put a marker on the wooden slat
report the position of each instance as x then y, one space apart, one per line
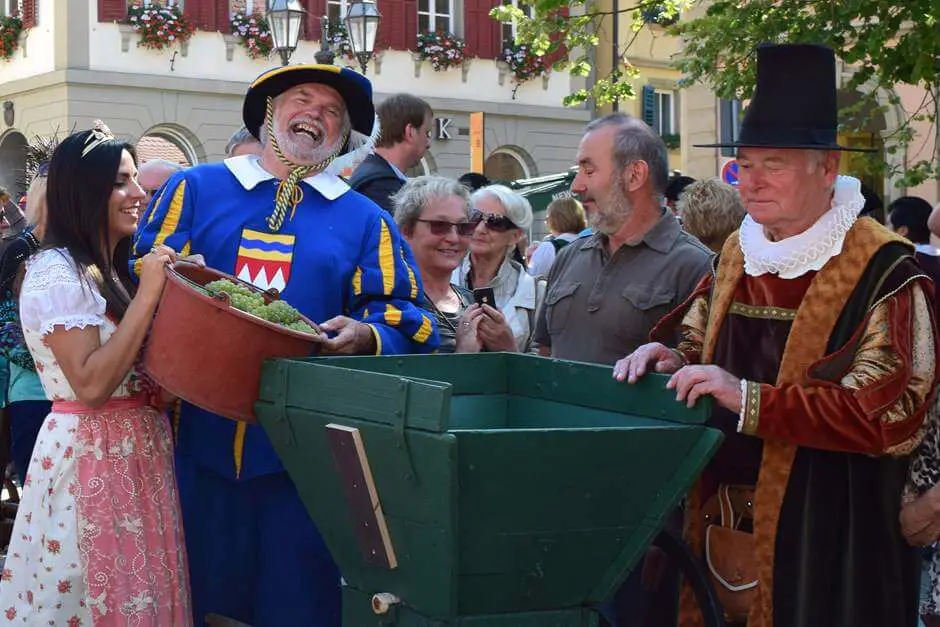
589 385
349 455
480 373
357 394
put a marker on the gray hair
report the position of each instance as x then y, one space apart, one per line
516 205
239 138
163 164
636 141
415 195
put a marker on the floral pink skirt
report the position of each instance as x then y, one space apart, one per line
98 538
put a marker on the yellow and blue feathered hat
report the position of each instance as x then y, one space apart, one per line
354 88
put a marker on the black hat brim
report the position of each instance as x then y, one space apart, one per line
835 147
355 94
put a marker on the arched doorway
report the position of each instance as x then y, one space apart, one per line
13 150
508 164
171 143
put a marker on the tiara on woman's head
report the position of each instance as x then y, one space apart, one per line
99 134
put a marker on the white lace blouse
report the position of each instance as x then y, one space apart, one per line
55 295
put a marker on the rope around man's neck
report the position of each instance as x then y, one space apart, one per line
289 194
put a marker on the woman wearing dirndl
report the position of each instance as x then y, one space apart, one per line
98 538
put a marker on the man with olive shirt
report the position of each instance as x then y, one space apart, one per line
607 290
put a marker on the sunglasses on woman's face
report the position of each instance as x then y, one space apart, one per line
493 221
440 228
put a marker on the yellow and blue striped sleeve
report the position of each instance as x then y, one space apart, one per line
386 292
166 222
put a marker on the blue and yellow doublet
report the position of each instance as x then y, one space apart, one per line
337 253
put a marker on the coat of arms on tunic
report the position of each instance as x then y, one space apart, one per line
264 259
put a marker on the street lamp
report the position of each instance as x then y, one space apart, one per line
285 18
325 55
362 25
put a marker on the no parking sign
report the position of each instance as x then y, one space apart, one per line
729 172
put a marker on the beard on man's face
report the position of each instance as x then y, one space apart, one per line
610 214
304 140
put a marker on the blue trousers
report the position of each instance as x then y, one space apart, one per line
26 418
254 554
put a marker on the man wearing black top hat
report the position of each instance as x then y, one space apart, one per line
815 339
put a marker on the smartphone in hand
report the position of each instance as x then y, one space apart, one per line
484 296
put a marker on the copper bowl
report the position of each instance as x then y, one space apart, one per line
208 353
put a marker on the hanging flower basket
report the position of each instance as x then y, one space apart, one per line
443 50
523 63
10 29
159 27
338 39
253 33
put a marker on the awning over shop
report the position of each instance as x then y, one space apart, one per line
542 190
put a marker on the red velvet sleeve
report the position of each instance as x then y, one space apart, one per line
876 405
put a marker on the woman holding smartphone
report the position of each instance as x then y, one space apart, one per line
502 217
434 216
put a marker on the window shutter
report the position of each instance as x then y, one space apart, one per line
28 13
315 10
223 16
649 105
112 10
201 13
482 32
562 52
398 29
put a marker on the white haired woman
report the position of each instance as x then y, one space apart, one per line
433 214
504 216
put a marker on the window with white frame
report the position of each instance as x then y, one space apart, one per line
10 7
665 112
435 15
509 29
336 10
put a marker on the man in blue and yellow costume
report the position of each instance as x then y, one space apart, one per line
284 221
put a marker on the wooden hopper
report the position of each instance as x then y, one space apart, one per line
494 490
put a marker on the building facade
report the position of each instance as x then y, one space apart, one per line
78 60
694 115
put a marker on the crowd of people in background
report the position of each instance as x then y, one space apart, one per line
642 270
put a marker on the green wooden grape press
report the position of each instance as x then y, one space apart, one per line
489 490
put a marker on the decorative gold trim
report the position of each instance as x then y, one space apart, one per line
751 408
764 313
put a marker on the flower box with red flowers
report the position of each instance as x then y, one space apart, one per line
254 33
159 27
443 50
10 29
523 63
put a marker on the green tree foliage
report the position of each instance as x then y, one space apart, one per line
882 43
576 25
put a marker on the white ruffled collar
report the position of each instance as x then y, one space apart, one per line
810 250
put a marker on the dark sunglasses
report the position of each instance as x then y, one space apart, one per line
440 228
493 221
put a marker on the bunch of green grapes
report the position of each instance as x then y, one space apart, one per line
278 311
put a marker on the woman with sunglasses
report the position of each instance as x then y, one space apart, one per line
433 214
504 216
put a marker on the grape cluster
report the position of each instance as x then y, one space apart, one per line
278 311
